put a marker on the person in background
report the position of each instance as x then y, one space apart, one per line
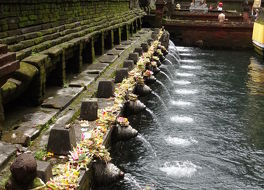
220 6
221 17
256 14
178 6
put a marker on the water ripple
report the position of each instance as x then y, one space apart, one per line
181 119
179 169
180 141
185 91
185 74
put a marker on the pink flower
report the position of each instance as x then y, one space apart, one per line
75 156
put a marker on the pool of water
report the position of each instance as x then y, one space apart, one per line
211 136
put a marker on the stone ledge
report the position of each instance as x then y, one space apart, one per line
6 152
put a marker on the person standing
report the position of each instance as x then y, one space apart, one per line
220 6
221 17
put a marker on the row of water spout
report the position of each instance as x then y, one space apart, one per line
165 74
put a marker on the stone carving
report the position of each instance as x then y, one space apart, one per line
106 173
23 170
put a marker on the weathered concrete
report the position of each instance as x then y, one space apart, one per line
227 35
105 89
134 57
121 74
139 50
62 98
122 47
61 147
89 109
114 52
129 64
6 152
108 58
44 170
145 47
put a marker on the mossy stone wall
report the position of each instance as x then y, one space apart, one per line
17 14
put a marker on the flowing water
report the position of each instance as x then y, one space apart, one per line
164 88
167 76
160 99
212 135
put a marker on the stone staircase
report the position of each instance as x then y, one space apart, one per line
48 51
8 65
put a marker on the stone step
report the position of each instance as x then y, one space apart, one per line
54 41
9 68
3 49
6 153
7 58
24 40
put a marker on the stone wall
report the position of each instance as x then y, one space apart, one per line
52 38
16 14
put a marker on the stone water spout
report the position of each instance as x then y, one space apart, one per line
152 66
133 107
141 89
163 50
106 173
124 133
148 77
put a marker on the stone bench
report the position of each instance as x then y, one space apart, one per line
48 53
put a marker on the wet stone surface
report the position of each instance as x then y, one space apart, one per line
121 47
108 58
115 52
62 98
6 152
30 127
126 42
84 79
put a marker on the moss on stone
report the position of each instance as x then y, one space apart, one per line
26 72
7 90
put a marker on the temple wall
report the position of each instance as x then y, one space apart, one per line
16 14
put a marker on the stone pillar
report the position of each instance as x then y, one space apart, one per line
38 86
2 115
78 59
89 109
92 50
170 6
119 35
121 74
105 89
112 38
61 140
62 69
159 12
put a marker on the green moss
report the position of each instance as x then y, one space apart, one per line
38 40
8 89
40 154
4 179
